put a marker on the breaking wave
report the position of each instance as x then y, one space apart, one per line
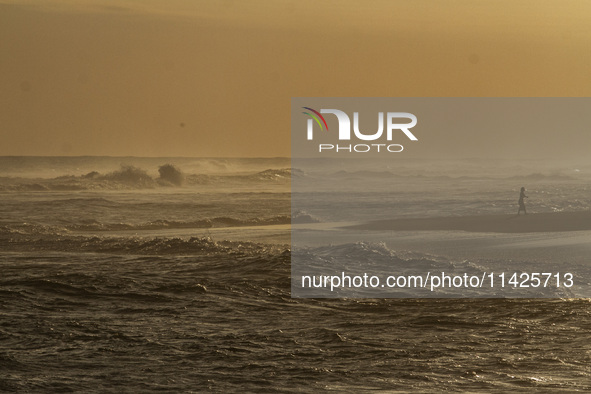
135 245
303 217
131 177
128 175
161 224
171 174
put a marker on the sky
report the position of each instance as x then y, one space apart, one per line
216 77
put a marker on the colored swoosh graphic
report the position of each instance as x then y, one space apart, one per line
316 118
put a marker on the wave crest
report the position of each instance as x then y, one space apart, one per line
137 245
131 177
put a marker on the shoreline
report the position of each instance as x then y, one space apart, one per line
530 223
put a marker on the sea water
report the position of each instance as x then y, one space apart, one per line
116 276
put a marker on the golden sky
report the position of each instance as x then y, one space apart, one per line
215 77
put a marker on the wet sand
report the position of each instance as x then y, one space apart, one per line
531 223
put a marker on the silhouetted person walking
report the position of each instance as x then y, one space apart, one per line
522 202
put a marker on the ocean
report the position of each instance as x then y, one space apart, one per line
127 274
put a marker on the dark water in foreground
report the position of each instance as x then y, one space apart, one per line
224 321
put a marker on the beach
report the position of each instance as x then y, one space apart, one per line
531 223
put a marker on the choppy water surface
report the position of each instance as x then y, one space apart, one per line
97 295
